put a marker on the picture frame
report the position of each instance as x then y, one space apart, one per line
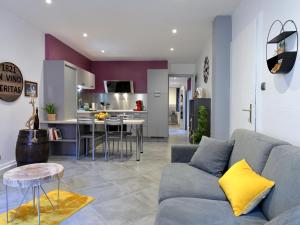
31 89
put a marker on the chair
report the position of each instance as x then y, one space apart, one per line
82 122
117 133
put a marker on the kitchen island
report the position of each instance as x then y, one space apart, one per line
69 143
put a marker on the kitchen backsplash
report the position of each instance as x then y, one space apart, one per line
116 101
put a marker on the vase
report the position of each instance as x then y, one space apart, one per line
51 117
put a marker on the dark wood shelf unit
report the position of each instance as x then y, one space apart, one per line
64 140
282 36
288 62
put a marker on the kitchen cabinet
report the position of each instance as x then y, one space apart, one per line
85 79
60 88
158 102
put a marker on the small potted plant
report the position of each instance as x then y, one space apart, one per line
51 111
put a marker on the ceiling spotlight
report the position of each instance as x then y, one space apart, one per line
174 31
84 35
172 49
48 1
102 51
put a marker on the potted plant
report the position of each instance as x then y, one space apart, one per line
51 111
202 129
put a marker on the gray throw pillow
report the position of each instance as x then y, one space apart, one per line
212 156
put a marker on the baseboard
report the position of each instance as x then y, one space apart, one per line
6 166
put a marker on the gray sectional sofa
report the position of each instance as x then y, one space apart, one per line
189 196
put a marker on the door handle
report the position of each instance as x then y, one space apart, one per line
250 113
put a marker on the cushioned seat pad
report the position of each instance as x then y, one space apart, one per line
182 180
193 211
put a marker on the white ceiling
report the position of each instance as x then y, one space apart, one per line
177 82
127 29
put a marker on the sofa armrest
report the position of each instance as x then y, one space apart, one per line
182 153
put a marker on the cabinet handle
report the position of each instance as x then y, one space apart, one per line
157 94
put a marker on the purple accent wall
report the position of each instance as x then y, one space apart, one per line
189 84
125 70
103 70
57 50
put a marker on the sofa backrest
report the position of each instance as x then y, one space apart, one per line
283 167
252 146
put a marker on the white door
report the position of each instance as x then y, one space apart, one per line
243 79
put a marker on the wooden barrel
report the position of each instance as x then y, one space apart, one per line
32 147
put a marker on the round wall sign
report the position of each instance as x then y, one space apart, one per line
206 69
11 82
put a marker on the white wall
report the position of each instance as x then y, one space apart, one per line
206 52
182 69
278 107
23 45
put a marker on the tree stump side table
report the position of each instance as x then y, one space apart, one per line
32 176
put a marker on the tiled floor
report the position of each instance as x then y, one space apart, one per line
125 192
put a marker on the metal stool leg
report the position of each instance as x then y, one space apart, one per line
6 193
39 205
86 147
58 187
33 197
93 150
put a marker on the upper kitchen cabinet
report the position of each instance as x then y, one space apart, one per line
85 79
158 102
60 81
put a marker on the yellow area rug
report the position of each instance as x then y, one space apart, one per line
69 204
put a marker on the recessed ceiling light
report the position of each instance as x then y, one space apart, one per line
85 35
48 1
102 51
172 49
174 31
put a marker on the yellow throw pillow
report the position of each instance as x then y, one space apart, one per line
244 188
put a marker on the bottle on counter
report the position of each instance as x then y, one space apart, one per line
36 121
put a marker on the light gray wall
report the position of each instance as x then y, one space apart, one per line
24 46
278 107
221 39
206 52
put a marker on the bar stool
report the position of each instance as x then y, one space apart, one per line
117 134
83 121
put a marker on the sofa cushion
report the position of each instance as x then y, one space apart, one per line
252 146
193 211
182 180
290 217
212 156
283 166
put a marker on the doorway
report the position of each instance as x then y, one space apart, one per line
178 107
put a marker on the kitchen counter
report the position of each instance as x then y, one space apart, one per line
100 122
112 111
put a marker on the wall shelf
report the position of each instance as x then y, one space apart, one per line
282 36
65 140
287 64
284 62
